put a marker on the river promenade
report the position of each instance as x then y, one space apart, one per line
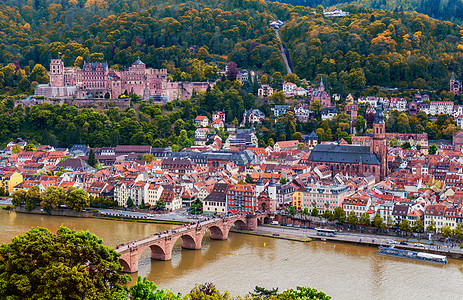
359 239
348 237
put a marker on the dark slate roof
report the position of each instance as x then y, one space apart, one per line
240 158
310 137
328 110
74 163
94 65
313 135
216 197
343 154
138 62
379 116
79 147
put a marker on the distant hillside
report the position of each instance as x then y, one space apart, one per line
375 47
451 10
368 47
163 34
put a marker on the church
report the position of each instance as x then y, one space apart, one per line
456 86
354 159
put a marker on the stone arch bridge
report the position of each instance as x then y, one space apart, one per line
161 245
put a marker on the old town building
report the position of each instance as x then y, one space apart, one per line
353 159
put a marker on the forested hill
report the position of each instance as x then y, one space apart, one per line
160 32
368 47
375 47
450 10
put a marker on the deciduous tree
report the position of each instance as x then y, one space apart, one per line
77 199
365 219
66 265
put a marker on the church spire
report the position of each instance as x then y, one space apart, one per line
260 182
272 182
379 115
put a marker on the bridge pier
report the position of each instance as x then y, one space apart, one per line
129 261
251 222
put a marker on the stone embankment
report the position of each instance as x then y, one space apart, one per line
369 240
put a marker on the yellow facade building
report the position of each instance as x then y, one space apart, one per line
10 179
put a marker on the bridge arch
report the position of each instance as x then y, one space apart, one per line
159 253
219 232
161 246
125 266
192 241
240 224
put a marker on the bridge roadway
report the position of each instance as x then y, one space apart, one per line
161 244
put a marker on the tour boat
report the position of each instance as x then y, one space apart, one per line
391 251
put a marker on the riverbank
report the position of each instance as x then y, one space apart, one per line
373 241
102 217
274 235
92 214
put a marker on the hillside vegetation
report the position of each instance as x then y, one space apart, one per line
450 10
375 47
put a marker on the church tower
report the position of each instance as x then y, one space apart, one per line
379 143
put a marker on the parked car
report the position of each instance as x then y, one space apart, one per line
290 225
297 226
403 243
311 227
283 224
274 222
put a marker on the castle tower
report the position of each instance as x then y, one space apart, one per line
272 189
379 143
56 72
259 186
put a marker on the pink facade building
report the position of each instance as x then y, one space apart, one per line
98 81
321 95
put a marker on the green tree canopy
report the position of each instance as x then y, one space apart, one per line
418 225
352 218
314 212
148 158
66 265
404 226
53 197
91 158
77 199
378 222
365 219
431 226
130 203
144 289
339 214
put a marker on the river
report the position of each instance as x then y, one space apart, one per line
244 261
